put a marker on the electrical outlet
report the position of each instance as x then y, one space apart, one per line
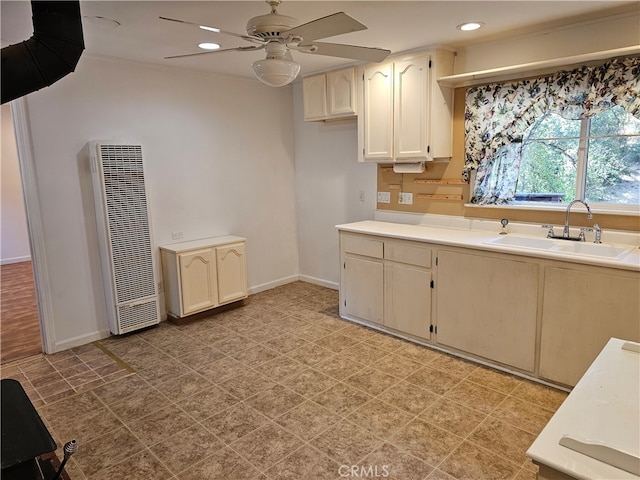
405 198
361 196
177 235
384 197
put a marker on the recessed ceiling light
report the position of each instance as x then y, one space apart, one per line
469 26
209 46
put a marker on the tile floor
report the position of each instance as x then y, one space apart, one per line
279 389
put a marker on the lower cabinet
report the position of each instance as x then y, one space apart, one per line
582 310
544 318
203 274
487 305
386 282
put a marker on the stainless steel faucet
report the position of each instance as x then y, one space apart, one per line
565 231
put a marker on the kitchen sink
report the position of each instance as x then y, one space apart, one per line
562 246
524 242
593 249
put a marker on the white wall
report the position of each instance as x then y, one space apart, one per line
14 235
328 184
219 160
606 33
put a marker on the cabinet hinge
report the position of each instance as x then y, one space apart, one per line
436 261
429 63
428 148
432 283
433 329
345 303
344 265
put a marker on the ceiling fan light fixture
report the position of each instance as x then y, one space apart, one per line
275 72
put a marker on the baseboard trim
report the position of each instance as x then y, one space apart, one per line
9 261
275 283
319 281
79 341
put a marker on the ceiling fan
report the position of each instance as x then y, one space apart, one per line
278 34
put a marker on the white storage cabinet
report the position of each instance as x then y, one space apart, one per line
203 274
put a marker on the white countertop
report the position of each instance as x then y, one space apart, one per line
478 238
185 246
604 408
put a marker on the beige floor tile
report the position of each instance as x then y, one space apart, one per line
476 396
266 446
469 462
164 372
525 474
308 420
234 422
342 399
506 440
67 409
418 353
234 344
107 450
222 464
141 403
371 381
201 357
435 380
383 341
494 379
454 366
184 386
392 463
157 426
285 343
280 368
426 441
438 474
396 365
409 397
186 448
305 463
86 427
541 395
141 465
521 414
207 402
346 443
310 354
274 401
453 416
309 382
221 370
255 355
336 342
117 391
364 353
339 366
380 418
246 383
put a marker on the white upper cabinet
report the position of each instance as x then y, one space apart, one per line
330 95
405 115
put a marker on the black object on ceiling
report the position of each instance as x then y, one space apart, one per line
51 53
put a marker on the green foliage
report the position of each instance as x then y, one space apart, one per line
550 157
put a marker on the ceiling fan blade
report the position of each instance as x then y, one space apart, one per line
240 49
324 27
249 38
367 54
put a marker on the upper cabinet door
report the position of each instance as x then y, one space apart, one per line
341 93
411 84
378 112
314 91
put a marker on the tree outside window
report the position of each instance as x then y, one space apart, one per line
596 159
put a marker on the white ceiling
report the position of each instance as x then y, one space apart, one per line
394 25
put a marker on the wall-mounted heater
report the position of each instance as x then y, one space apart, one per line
124 234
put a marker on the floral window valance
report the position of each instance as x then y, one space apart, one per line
497 115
